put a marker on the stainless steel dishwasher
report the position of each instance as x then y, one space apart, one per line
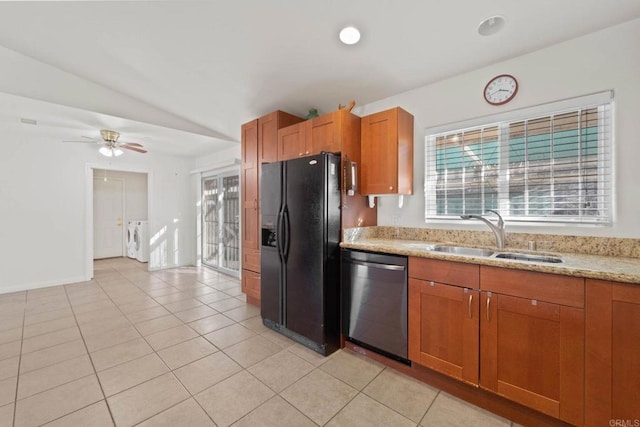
374 302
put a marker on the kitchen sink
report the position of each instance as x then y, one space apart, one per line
489 253
529 257
462 250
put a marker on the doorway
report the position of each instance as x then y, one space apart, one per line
119 197
221 222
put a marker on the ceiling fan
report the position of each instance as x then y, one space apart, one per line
111 147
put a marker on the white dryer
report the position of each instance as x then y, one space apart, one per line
141 238
131 244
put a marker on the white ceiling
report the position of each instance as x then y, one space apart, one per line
213 65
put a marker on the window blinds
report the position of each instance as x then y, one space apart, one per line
553 166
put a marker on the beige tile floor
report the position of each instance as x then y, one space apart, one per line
181 347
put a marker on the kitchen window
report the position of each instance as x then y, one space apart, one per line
549 163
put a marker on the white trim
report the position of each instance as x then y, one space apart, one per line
217 166
88 229
38 285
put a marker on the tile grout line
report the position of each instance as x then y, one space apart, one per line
161 359
430 406
95 372
15 399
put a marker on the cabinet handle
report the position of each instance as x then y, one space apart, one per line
470 301
488 303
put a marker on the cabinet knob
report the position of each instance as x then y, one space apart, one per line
391 187
299 154
306 152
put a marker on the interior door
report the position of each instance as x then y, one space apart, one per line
108 231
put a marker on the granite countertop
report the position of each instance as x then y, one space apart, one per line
613 268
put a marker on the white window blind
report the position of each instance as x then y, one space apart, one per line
554 166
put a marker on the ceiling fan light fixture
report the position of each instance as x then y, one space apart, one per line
110 152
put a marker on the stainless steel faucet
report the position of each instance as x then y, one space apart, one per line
498 229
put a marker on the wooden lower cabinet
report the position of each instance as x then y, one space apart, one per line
532 352
520 336
612 353
444 328
251 286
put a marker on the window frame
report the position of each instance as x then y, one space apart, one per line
605 159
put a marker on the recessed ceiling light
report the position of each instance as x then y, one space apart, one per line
349 35
491 25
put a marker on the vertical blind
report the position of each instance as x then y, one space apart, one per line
553 167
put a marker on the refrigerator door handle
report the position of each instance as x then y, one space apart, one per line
279 227
285 233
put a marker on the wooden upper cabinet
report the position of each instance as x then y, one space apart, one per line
268 126
612 352
532 346
444 317
268 137
324 133
249 144
334 132
292 142
387 152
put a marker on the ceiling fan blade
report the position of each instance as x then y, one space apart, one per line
85 142
133 144
133 149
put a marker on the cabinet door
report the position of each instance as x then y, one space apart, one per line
249 186
249 144
291 141
532 352
268 138
324 134
251 286
444 328
387 152
380 153
250 219
613 349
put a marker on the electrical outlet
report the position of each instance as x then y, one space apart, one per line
395 220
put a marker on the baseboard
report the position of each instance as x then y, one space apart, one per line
30 286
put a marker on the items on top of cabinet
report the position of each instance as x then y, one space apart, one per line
387 154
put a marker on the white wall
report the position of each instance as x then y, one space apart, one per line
599 61
43 208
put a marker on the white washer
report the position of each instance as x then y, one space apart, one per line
131 244
141 238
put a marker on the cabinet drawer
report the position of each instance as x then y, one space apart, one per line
547 287
452 273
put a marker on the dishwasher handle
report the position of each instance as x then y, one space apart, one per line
378 265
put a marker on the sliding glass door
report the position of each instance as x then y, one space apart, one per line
221 222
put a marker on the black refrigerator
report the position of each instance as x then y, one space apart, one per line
300 254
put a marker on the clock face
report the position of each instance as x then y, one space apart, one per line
500 89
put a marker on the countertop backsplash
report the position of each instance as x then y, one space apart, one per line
603 246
